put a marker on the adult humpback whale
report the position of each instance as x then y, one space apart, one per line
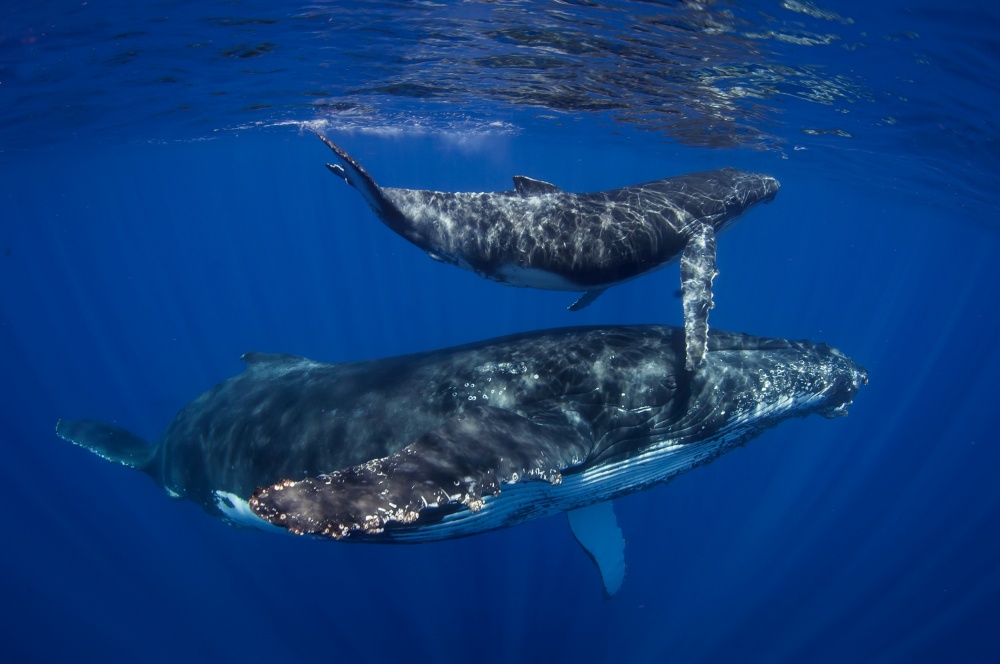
540 236
463 440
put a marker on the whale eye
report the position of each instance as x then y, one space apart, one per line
438 257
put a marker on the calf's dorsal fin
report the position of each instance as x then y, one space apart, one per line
526 186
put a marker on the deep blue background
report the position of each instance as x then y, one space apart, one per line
138 275
134 274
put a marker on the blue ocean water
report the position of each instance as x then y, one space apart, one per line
164 208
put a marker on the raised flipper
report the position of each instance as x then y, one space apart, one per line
467 458
596 529
526 186
353 174
108 442
586 299
697 273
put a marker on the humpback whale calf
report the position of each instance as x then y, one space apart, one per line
540 236
448 443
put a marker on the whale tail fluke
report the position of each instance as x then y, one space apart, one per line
108 442
353 174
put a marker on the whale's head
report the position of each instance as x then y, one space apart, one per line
757 382
737 191
745 385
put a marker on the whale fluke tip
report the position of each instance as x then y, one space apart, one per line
338 171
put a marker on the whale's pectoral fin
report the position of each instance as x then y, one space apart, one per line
468 458
586 299
697 273
526 186
596 529
108 442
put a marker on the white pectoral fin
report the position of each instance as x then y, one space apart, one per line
595 527
697 273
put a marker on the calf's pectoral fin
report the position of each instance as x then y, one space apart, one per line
468 458
595 528
697 273
586 299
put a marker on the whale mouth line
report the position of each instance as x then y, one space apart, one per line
834 412
846 390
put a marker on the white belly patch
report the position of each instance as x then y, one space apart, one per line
535 278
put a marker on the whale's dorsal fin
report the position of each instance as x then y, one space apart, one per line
526 186
697 273
254 357
275 364
596 529
469 458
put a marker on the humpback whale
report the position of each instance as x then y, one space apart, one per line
540 236
452 442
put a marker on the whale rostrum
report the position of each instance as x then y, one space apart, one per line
462 440
537 235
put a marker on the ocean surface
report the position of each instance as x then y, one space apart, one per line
164 207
